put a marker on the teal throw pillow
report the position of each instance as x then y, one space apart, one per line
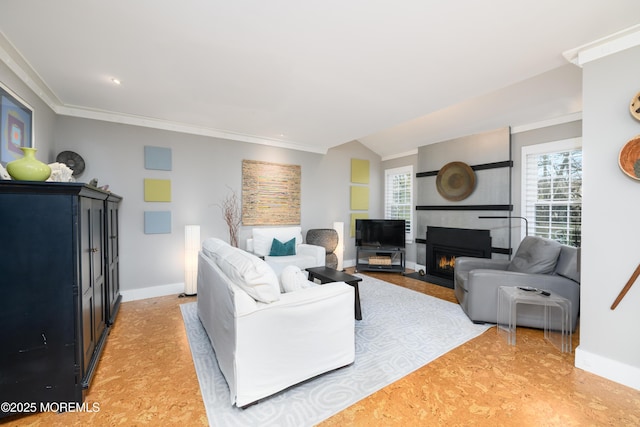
283 249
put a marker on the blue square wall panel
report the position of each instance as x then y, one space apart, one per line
157 222
158 158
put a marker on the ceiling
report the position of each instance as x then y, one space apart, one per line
309 75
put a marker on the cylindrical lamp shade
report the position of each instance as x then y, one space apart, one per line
191 248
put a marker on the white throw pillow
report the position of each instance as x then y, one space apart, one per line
293 279
249 272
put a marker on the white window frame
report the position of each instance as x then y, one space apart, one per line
545 148
388 173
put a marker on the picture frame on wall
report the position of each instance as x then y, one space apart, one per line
16 125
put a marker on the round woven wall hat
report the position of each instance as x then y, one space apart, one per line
456 181
629 158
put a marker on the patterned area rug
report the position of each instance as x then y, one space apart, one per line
401 331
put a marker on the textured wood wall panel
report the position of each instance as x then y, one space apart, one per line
270 193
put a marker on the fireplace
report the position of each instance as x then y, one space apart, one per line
445 244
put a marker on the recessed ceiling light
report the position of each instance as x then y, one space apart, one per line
115 81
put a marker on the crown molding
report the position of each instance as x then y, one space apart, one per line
148 122
25 72
605 46
567 118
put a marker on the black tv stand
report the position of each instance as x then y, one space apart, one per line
396 266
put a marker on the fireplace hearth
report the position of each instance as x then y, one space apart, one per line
445 244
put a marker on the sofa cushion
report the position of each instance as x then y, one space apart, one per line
283 249
263 237
249 272
535 255
293 278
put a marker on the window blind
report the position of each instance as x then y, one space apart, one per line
552 193
398 202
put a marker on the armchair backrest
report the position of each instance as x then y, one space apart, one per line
536 255
539 255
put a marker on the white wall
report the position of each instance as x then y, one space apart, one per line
609 344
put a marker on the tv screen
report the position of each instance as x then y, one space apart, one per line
380 233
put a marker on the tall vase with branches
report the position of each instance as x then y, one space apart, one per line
232 215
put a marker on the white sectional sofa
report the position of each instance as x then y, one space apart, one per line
304 256
266 340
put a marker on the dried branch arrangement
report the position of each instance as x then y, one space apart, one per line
232 215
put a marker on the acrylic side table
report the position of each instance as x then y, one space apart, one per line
557 315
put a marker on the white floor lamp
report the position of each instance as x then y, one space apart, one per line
191 248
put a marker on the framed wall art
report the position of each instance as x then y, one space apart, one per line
16 125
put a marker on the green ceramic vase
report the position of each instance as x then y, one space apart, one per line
28 168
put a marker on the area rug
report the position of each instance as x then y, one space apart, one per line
401 331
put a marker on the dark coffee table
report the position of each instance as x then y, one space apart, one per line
328 275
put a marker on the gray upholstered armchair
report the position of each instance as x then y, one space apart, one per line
538 262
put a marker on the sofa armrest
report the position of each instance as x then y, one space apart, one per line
317 252
305 333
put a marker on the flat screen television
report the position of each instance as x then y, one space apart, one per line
380 233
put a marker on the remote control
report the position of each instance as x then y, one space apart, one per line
532 289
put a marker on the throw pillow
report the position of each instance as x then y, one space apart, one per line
250 273
283 249
263 237
535 255
293 279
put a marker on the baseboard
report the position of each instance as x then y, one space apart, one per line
610 369
152 292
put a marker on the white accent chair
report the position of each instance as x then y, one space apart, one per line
305 255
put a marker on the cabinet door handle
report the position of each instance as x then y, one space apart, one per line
94 250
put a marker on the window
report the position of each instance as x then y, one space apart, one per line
398 200
552 190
